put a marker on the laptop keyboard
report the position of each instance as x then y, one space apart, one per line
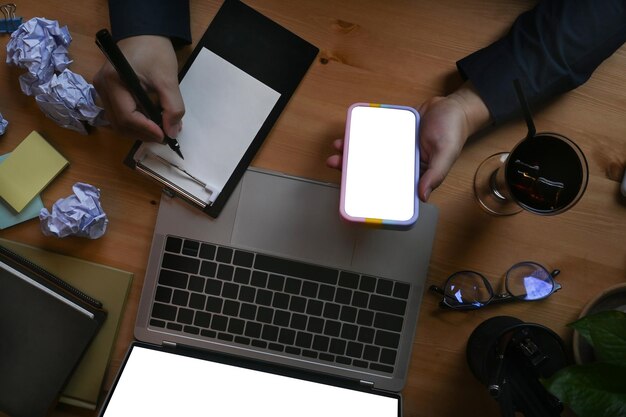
280 305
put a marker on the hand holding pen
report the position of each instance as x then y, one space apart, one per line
154 60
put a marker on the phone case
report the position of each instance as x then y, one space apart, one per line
379 222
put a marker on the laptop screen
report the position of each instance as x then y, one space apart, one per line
158 383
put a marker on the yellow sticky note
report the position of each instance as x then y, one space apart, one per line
28 170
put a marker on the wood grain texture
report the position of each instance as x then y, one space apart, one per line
395 51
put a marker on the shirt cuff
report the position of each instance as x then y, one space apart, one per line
168 18
492 71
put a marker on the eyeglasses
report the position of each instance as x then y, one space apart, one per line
525 281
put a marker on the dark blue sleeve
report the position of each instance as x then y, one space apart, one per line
151 17
552 48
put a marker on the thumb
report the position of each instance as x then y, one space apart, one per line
173 108
438 168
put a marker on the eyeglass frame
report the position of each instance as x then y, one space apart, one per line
494 298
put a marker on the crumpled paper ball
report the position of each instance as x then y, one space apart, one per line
79 214
3 124
69 100
40 46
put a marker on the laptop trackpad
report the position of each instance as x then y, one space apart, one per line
292 218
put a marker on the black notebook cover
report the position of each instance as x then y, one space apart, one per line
266 51
45 327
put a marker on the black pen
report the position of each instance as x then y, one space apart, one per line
105 42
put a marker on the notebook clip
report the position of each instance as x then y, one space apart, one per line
144 165
10 22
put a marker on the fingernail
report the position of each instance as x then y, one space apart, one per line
174 130
427 194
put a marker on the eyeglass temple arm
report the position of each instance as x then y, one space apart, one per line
554 273
439 290
436 289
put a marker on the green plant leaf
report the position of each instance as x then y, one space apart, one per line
610 342
582 326
592 390
606 332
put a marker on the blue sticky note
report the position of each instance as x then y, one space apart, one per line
8 217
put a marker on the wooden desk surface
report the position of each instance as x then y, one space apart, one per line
395 51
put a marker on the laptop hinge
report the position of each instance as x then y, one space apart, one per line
168 344
368 384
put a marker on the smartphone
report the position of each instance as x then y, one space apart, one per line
380 166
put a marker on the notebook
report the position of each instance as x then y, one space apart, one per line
280 280
28 170
108 285
45 327
235 84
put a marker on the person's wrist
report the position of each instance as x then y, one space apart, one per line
144 47
473 107
142 39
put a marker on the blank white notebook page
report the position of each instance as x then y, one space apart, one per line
159 384
224 110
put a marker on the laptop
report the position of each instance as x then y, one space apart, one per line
278 286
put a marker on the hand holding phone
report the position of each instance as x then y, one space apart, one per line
381 166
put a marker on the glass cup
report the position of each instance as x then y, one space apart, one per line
546 174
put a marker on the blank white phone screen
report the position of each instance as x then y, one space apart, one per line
158 384
380 169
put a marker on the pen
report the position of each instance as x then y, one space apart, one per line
109 48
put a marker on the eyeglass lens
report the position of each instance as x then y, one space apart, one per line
467 288
529 281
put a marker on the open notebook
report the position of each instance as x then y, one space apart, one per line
214 137
235 84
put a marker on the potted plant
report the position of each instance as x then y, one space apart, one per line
598 388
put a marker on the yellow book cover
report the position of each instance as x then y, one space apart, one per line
28 170
107 285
